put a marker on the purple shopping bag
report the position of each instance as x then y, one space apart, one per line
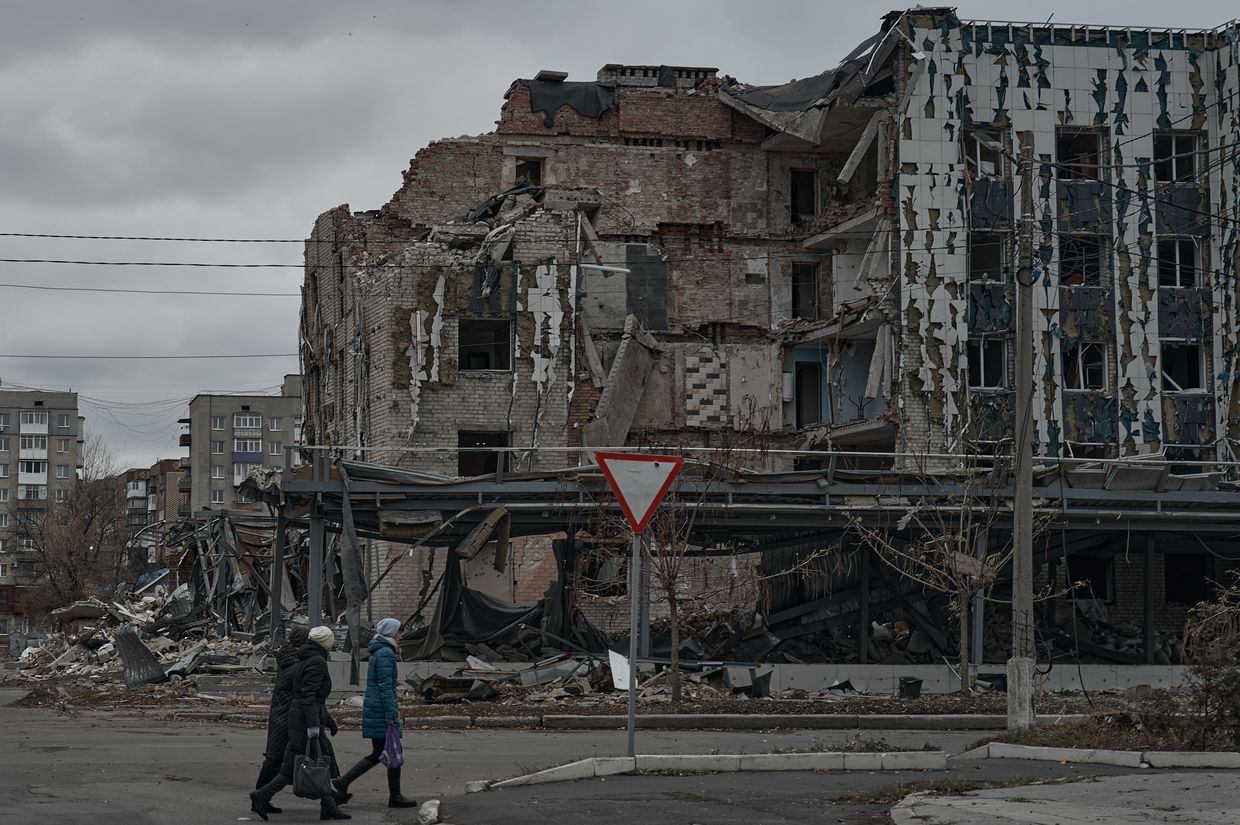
393 753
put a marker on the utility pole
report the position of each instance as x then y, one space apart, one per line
1020 666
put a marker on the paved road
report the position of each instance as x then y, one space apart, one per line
95 770
775 798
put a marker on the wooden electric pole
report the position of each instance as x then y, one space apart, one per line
1020 666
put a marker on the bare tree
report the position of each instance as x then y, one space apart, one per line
74 544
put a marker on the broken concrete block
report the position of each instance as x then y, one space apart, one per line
428 814
477 786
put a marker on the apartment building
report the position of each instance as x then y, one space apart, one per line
40 453
230 435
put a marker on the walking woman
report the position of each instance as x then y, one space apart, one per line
307 720
379 712
277 716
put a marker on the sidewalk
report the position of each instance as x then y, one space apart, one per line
1132 799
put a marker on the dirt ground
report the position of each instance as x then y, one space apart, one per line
249 705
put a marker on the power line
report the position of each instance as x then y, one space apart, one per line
151 357
151 291
154 238
148 263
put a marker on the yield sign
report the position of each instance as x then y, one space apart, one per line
639 481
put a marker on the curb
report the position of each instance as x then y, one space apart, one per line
733 721
724 763
1123 759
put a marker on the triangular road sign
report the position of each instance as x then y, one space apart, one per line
639 482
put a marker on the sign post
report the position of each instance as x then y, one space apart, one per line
640 482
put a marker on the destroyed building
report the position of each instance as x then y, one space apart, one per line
665 257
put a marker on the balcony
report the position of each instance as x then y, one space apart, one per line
185 463
33 428
184 440
247 432
32 478
33 454
185 483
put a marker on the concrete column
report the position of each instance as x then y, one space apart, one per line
314 577
1147 602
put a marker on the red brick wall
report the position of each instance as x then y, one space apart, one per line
663 112
516 118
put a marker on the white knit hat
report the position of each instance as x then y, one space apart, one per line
323 637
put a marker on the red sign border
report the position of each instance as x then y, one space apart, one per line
678 463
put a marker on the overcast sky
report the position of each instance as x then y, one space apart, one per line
247 119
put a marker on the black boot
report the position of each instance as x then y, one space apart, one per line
395 798
328 809
352 775
260 800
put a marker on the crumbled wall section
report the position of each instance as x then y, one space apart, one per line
1126 85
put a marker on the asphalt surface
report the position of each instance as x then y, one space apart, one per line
93 769
98 769
774 798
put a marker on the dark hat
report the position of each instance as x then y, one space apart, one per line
298 635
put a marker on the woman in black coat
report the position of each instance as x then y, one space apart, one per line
307 719
277 716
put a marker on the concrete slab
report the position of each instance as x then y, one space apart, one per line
792 762
582 769
705 763
1131 799
1193 759
612 765
436 722
915 761
1086 756
976 753
863 761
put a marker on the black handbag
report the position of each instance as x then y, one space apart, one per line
312 772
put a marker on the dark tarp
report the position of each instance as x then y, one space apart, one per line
867 64
464 616
587 98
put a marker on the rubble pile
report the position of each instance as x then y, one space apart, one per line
137 640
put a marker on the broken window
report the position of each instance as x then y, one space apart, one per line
1081 260
808 394
804 194
983 153
987 363
604 571
1077 449
1091 577
1177 262
529 170
1189 460
1183 367
804 290
987 256
474 459
1175 156
1085 367
485 344
1080 154
1187 577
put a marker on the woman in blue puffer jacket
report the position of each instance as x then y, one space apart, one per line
379 712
